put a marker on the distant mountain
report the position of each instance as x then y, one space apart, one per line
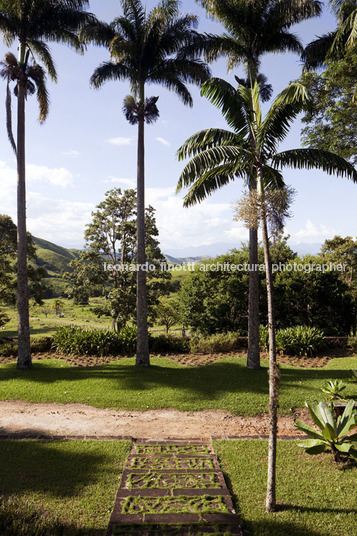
211 250
53 258
182 260
191 253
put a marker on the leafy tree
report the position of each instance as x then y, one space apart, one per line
215 301
250 152
313 298
32 23
344 251
110 258
168 312
254 29
8 265
156 47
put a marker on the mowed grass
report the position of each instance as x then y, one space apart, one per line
68 488
225 384
316 497
59 488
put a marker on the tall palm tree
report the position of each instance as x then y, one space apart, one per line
158 47
32 23
332 45
249 152
255 27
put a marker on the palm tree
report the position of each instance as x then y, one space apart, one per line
249 152
332 45
158 47
254 29
32 23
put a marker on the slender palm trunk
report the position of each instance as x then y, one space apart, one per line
274 374
142 347
24 350
253 357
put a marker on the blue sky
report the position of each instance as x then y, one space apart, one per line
87 147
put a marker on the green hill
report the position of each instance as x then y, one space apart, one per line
53 258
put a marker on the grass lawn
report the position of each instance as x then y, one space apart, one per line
225 384
59 488
316 497
68 488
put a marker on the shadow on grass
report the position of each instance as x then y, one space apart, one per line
52 468
208 381
274 526
18 518
308 509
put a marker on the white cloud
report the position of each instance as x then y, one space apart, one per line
124 181
56 176
120 141
71 153
314 231
179 227
57 220
163 141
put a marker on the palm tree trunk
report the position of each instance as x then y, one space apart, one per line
274 374
253 357
142 347
24 349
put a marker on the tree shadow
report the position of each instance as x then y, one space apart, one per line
46 467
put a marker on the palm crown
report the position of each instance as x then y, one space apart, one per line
249 150
256 28
158 47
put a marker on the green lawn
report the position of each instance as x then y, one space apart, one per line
67 488
62 488
226 384
315 496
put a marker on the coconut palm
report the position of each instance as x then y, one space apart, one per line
32 23
249 152
255 28
158 47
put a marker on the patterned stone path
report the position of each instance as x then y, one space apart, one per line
173 488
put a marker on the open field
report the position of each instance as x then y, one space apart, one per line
68 488
225 384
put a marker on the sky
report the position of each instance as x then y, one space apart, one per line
86 147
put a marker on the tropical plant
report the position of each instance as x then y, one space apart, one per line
156 47
300 340
334 388
249 152
254 29
333 436
32 23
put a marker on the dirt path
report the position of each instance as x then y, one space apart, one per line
78 420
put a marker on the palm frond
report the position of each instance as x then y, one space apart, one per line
211 181
9 117
331 163
314 54
229 101
207 160
205 139
110 71
37 73
40 49
96 32
283 111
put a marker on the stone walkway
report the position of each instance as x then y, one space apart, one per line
173 488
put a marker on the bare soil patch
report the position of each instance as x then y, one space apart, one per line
18 417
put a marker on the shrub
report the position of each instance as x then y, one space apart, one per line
352 343
97 342
219 342
264 338
334 388
168 343
334 433
299 340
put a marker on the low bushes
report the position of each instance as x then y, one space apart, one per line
297 340
219 342
96 342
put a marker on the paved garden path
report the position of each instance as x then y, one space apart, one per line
173 488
